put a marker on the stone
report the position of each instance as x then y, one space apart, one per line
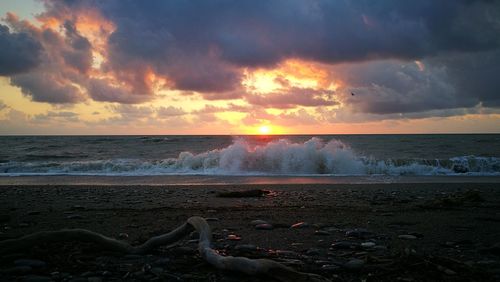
359 233
313 252
257 222
74 216
300 225
123 236
330 267
368 245
407 237
232 237
354 264
264 226
87 274
345 245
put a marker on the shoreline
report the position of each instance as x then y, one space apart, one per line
458 221
195 180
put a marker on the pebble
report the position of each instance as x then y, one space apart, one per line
368 245
30 262
300 225
74 216
209 219
94 279
313 252
407 237
359 233
354 264
33 212
232 237
264 226
87 274
77 208
330 267
258 222
123 236
344 245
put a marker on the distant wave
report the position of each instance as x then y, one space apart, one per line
281 157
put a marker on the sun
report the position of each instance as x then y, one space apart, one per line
264 129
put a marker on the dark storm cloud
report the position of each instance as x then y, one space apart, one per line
19 52
475 76
198 43
46 87
79 56
204 46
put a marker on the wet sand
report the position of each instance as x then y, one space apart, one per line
349 232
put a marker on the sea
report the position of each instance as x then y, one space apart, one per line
200 158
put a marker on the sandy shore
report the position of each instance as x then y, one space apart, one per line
402 231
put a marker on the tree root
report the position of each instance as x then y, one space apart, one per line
211 256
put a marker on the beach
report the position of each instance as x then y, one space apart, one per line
344 232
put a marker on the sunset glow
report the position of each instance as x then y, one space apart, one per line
264 129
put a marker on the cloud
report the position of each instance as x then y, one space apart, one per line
2 105
120 51
20 52
102 90
293 97
200 45
47 87
170 111
59 116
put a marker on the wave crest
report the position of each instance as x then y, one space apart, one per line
281 157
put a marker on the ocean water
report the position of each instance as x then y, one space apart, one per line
304 155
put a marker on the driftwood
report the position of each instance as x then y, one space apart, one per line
211 256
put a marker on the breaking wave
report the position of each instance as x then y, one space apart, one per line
281 157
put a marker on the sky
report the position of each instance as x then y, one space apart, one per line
249 67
